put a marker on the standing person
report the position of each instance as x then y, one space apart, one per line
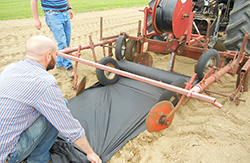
33 109
57 16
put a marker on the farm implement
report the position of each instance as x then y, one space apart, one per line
177 25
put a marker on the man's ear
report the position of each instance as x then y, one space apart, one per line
48 56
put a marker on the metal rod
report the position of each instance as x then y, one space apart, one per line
222 94
196 28
188 86
101 28
170 67
88 46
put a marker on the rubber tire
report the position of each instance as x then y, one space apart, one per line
166 95
131 52
239 23
108 61
120 48
202 62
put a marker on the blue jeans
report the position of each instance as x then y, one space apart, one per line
35 143
59 24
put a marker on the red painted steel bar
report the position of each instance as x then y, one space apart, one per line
188 86
191 42
144 79
88 46
145 20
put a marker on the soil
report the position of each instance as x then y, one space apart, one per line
199 132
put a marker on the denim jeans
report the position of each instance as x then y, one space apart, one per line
35 143
59 24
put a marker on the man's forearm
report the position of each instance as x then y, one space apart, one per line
83 144
69 3
34 10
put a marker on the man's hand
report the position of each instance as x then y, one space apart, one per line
83 144
38 24
70 13
33 4
94 158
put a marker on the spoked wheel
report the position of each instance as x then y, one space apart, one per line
120 48
207 60
106 77
156 117
131 51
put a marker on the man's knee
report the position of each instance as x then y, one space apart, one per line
40 127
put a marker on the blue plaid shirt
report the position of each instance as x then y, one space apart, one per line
27 90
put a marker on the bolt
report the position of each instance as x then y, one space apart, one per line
162 119
167 123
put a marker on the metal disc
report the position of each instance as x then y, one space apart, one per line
180 23
144 59
157 114
81 86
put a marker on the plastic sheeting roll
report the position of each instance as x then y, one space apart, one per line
164 15
152 73
172 16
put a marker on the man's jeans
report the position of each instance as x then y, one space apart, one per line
35 143
59 24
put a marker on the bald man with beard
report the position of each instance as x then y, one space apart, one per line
33 109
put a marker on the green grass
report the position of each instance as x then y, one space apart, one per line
19 9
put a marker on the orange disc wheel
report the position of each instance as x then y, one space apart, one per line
156 117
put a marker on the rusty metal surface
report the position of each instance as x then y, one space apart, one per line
144 59
157 115
81 86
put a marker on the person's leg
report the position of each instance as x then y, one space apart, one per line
35 142
67 31
56 21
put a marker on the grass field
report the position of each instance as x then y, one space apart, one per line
18 9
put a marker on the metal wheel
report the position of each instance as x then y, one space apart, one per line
106 77
131 51
120 48
157 115
207 60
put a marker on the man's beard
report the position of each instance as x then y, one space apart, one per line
51 64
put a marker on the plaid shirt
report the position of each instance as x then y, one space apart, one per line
27 90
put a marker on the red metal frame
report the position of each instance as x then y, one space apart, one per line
160 84
192 47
